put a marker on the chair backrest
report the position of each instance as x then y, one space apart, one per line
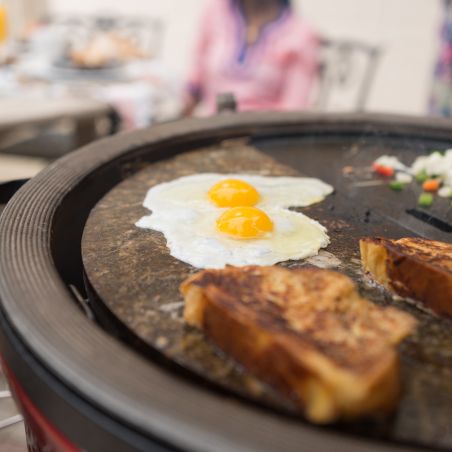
346 73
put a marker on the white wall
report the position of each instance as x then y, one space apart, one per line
407 29
408 33
21 12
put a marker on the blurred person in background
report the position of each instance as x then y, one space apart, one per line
259 50
441 93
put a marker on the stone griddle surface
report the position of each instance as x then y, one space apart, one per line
135 280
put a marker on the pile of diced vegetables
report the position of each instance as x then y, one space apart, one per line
433 172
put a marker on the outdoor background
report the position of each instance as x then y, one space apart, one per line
406 29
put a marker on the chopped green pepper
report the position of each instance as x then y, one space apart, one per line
425 199
421 177
396 185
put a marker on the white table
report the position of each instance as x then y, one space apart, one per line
23 111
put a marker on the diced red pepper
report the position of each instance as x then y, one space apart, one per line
383 170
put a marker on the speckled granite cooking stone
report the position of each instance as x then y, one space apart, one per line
134 275
149 304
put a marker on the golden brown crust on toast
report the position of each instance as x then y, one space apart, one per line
307 332
412 267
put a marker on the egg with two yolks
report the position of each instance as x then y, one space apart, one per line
212 220
242 220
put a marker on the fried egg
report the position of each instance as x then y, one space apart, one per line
212 220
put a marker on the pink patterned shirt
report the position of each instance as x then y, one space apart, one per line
277 72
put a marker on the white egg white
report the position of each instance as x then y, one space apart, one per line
182 211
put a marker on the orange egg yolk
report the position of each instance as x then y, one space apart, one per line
233 193
244 222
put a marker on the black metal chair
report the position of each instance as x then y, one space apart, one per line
346 65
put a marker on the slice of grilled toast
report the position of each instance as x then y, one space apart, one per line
412 267
307 332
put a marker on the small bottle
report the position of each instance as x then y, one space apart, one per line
226 103
3 24
3 33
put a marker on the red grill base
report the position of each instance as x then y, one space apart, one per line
41 435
